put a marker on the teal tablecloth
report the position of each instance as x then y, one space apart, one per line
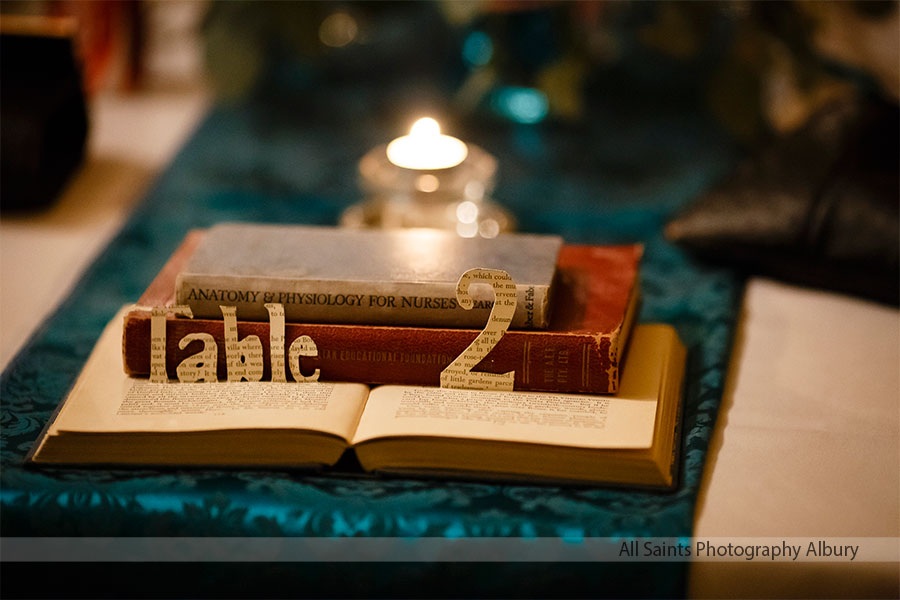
615 179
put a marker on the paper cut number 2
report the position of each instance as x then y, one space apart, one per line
458 374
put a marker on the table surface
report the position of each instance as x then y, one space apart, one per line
808 437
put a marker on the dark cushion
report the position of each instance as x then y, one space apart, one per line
818 207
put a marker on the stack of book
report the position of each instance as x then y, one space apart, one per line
338 345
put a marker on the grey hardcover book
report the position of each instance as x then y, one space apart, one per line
332 275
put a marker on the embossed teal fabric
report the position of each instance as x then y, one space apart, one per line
614 180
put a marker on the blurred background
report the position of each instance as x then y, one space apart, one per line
743 139
761 67
777 120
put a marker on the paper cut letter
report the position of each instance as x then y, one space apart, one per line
200 366
459 373
244 357
276 341
302 346
158 372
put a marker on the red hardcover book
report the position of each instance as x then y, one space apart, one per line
594 307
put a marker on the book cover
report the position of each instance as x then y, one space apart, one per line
580 351
372 277
110 418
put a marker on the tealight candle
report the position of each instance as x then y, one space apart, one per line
429 179
426 148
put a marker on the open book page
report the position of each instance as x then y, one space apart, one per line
625 420
104 399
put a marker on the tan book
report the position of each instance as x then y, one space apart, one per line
369 277
630 438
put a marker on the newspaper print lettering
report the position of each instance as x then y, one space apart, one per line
459 375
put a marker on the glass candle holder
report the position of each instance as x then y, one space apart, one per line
410 186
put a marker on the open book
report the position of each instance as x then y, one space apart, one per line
630 438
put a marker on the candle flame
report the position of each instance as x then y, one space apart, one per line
425 148
425 127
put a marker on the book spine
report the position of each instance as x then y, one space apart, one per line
544 361
355 302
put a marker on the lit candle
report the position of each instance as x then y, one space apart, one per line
426 179
426 149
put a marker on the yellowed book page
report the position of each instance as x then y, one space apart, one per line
625 420
104 399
